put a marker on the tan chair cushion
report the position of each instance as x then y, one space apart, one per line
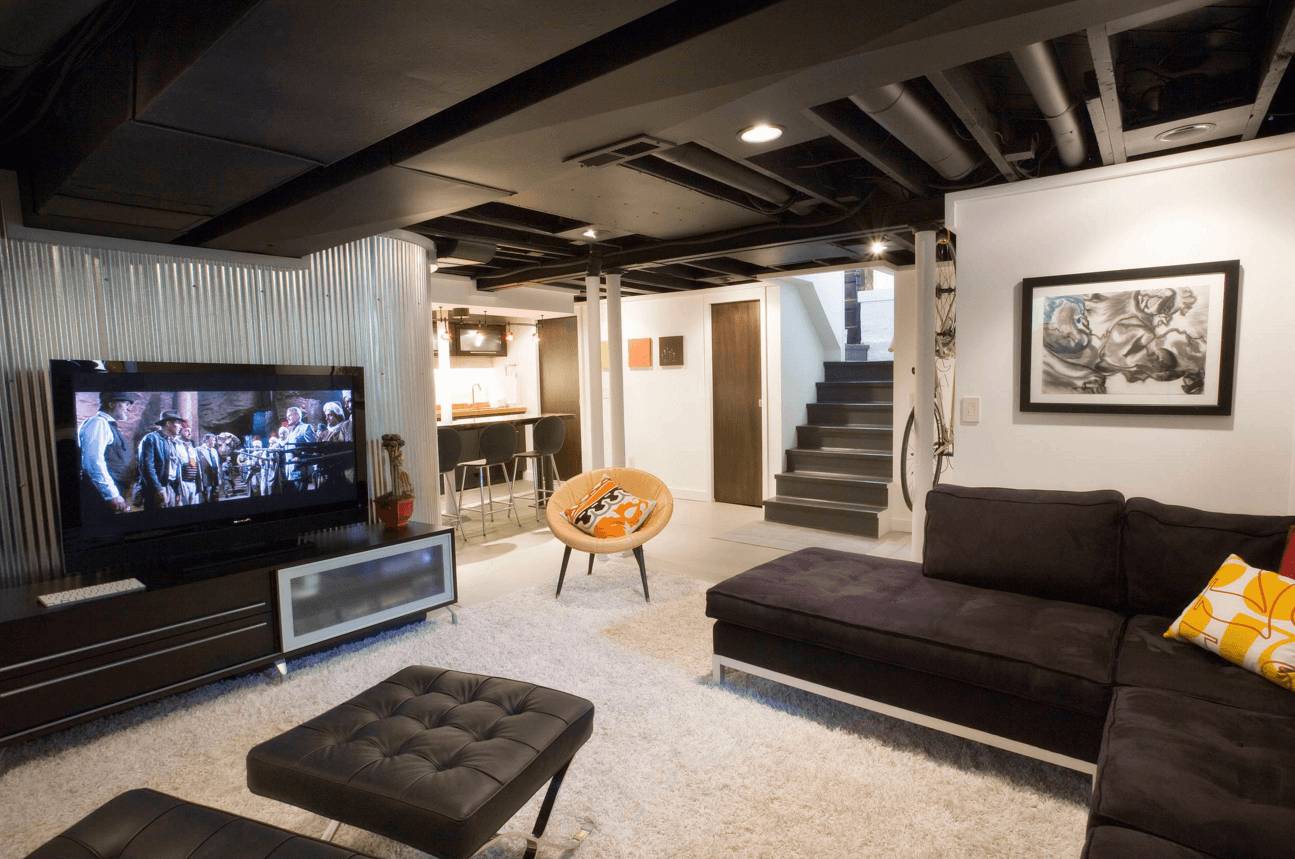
636 482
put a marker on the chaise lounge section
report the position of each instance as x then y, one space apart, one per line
1034 624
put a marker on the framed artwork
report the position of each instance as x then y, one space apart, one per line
671 351
1158 341
640 353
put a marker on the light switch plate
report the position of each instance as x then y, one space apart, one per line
970 410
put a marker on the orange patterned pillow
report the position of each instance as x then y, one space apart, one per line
1247 616
608 511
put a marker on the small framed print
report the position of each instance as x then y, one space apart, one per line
640 353
1158 341
671 351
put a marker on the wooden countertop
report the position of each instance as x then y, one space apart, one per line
519 421
459 411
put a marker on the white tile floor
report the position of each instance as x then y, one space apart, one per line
511 557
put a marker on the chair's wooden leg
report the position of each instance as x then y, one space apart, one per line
590 571
638 556
566 556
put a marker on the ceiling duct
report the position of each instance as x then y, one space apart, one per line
712 165
1038 65
899 110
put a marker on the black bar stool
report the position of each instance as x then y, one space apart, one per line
547 435
498 444
449 447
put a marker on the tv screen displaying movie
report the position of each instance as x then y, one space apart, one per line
149 446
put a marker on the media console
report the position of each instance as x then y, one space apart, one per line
68 664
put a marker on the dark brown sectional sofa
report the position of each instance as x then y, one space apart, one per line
1034 624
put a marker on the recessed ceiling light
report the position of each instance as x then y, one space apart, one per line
877 248
761 132
590 233
1185 132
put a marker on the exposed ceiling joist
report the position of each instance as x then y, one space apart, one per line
1279 57
1099 44
724 265
841 120
1097 115
668 282
517 218
455 227
1150 16
881 219
775 167
959 90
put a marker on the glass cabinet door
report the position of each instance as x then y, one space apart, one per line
330 598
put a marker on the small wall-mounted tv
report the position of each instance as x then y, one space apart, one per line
471 338
196 460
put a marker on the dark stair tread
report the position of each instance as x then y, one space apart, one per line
874 405
834 477
793 501
860 428
850 452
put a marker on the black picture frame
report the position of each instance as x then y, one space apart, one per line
1226 363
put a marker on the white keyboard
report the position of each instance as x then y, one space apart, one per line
94 592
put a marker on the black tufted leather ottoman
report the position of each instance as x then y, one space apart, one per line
145 824
437 759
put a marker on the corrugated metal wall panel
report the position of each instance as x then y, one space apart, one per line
364 303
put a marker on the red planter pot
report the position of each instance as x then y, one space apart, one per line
394 514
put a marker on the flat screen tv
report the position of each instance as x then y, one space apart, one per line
196 460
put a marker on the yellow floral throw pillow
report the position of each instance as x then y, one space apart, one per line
608 511
1247 616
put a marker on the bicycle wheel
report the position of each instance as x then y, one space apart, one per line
908 456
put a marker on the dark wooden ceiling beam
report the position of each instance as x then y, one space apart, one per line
1111 130
1276 61
726 265
776 165
517 218
958 89
454 227
699 249
659 279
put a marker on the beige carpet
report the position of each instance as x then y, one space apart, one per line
676 767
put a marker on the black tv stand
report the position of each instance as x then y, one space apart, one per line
191 625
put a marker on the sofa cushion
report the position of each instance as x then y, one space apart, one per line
1054 545
1169 553
1205 775
1116 842
885 610
1149 660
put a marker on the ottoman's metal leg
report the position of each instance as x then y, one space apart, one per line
546 808
717 670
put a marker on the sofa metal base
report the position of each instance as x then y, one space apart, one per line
719 663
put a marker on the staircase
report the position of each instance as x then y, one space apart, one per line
839 473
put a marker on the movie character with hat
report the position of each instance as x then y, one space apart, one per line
159 463
105 456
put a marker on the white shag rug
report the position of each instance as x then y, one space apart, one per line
676 766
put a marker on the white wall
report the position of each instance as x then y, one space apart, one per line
668 409
512 379
1233 202
802 357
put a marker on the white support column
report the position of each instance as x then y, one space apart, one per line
924 383
594 371
615 370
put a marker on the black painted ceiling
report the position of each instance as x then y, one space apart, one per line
287 126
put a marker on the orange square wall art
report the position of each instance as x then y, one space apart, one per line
640 353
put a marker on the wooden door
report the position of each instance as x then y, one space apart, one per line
560 385
737 408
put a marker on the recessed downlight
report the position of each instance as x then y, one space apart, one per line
878 247
1185 132
590 233
761 132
